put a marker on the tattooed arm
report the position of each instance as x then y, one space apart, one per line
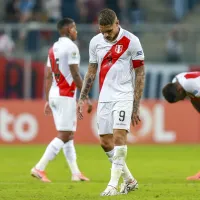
139 86
87 85
88 80
79 83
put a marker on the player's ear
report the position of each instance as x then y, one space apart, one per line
69 30
117 22
65 30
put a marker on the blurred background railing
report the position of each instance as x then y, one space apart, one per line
170 35
168 31
169 49
161 42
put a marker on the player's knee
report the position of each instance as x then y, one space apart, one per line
106 145
65 136
119 140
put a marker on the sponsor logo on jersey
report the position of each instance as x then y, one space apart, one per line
139 53
118 48
74 55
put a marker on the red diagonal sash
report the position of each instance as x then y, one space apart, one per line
64 88
111 58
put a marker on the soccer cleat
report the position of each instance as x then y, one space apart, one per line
127 187
110 191
79 177
195 177
40 175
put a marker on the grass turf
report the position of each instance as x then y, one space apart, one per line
160 171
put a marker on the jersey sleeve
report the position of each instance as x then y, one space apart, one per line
92 52
73 55
192 87
174 80
48 62
137 53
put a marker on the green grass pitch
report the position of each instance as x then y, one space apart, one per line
160 170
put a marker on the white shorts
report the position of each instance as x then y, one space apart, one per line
114 115
64 113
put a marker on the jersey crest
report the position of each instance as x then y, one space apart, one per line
119 48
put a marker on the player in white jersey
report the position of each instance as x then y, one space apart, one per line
61 81
185 85
118 56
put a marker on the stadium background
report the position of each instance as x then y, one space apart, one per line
171 43
169 33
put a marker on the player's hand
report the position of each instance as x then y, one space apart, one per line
89 103
47 109
135 118
80 109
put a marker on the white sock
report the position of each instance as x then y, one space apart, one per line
126 174
70 155
110 155
51 152
117 164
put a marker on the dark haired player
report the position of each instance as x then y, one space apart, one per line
185 85
118 56
62 79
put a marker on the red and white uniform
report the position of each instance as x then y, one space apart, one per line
62 95
116 61
190 81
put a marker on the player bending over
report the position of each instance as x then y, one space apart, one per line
61 81
118 56
182 86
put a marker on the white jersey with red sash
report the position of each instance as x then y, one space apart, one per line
190 81
62 95
63 53
116 62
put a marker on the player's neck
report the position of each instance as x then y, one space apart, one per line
181 91
67 36
178 86
114 39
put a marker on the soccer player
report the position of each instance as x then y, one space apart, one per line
61 81
118 56
185 85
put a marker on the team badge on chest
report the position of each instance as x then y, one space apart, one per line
118 48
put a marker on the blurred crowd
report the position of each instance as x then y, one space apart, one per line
182 7
82 11
50 11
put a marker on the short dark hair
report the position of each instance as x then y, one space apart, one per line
170 92
64 22
106 17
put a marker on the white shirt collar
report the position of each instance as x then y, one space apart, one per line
63 38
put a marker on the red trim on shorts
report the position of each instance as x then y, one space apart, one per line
64 88
111 58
